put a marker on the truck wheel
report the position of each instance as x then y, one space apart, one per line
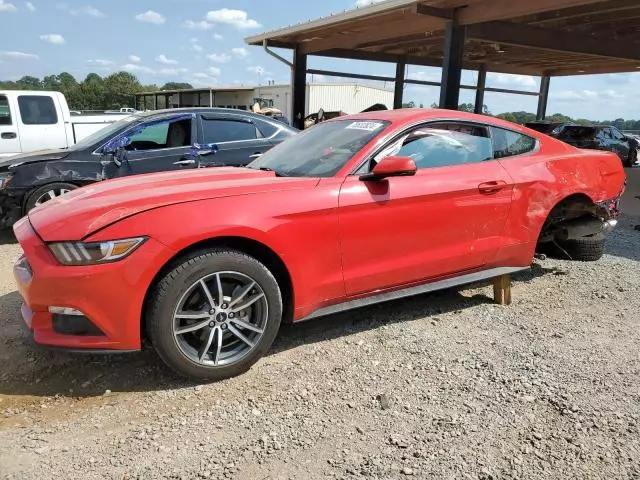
214 314
45 193
586 249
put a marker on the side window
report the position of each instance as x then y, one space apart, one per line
444 144
167 134
37 110
508 144
607 134
218 131
5 111
266 128
616 134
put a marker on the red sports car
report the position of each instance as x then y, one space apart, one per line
207 263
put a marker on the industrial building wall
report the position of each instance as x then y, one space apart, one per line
348 97
241 99
280 94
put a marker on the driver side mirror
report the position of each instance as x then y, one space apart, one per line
116 147
391 167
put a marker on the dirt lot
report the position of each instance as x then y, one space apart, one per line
446 385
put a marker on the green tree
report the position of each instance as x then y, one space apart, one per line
120 89
29 83
176 86
410 104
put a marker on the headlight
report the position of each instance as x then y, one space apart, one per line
81 253
4 179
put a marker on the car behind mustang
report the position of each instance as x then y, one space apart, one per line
207 263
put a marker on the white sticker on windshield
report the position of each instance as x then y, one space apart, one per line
368 126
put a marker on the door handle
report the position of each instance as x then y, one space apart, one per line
256 155
491 187
8 135
185 162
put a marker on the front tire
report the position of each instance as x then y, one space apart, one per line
45 193
632 158
215 314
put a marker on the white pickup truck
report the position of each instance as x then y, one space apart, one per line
37 120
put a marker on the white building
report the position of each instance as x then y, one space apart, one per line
345 97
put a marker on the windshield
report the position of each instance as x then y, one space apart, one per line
575 133
105 133
320 151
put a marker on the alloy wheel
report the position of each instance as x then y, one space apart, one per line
220 318
50 195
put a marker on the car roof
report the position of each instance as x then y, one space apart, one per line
411 115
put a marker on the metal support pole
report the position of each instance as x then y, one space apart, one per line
210 97
155 102
299 85
399 84
543 98
482 80
452 64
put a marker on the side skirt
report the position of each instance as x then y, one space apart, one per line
415 290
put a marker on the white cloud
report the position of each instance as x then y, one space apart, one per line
240 52
100 63
200 75
133 68
425 76
193 40
236 18
162 58
172 71
151 17
19 55
197 48
134 58
258 70
364 3
202 25
6 7
30 6
217 36
519 80
219 57
53 38
87 10
214 71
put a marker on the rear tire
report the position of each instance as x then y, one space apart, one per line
208 288
45 193
586 249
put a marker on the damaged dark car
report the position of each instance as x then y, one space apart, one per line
142 143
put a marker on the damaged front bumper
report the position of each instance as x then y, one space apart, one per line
10 208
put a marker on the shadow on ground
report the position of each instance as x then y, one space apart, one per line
34 371
7 237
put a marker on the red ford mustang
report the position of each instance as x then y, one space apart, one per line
206 264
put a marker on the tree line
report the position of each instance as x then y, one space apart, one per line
118 89
94 92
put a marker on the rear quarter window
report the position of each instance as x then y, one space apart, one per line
37 110
507 143
5 111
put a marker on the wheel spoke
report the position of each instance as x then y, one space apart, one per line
220 292
248 303
245 325
216 359
208 294
203 351
192 328
238 334
242 294
51 194
192 316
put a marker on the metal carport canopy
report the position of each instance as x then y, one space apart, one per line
542 38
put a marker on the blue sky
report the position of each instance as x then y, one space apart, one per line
202 42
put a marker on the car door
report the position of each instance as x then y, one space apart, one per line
161 144
9 138
238 139
446 219
620 143
40 122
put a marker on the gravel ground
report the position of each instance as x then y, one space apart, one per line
446 385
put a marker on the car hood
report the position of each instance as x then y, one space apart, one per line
38 156
79 213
